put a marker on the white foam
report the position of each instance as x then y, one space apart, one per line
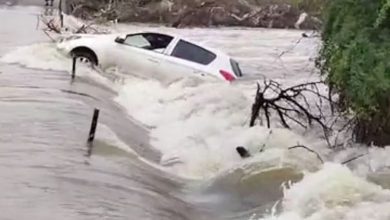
197 126
334 192
42 56
45 56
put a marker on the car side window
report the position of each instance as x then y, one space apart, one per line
137 41
194 53
236 67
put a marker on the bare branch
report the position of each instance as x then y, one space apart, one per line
281 115
48 35
264 144
267 115
353 159
291 105
304 147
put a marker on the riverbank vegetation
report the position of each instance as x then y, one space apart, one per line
355 58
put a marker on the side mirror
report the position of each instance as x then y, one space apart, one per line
119 40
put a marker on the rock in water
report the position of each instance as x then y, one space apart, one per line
244 153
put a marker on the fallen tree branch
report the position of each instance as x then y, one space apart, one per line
290 104
81 29
48 35
304 147
52 25
354 158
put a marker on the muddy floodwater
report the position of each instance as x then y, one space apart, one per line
167 151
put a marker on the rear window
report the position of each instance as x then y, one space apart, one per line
236 67
191 52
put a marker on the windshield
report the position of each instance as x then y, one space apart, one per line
149 41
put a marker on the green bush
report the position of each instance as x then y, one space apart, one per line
356 57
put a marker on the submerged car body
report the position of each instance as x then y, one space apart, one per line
151 53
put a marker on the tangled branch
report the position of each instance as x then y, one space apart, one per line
52 25
291 105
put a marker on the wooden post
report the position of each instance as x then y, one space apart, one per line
74 67
60 13
94 123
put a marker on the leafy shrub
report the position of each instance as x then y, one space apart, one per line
356 59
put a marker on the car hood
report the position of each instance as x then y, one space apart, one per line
72 37
68 43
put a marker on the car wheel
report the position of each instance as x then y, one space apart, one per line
85 57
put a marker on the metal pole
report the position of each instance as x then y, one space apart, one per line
94 123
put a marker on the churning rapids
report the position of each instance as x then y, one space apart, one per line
167 151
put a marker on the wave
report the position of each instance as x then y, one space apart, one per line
333 192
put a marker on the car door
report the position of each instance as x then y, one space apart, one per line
188 58
132 56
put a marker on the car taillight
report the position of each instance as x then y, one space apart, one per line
228 76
